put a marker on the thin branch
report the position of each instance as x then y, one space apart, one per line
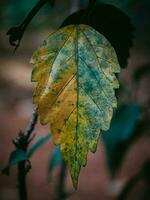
16 33
22 142
23 139
31 124
23 195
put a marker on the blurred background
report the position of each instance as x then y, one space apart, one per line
122 160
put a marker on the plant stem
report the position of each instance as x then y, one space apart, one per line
33 12
22 180
16 33
22 142
31 124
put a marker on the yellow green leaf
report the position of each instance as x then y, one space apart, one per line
75 74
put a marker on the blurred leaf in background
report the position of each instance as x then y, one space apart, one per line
10 16
38 144
50 16
55 160
20 155
15 157
121 130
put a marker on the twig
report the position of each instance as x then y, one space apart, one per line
32 124
22 142
16 33
22 180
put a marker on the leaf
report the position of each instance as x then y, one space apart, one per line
120 133
36 146
55 160
15 157
19 155
75 94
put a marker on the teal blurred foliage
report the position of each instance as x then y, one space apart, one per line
55 160
15 157
117 138
38 144
13 12
20 155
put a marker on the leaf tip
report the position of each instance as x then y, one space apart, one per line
75 183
